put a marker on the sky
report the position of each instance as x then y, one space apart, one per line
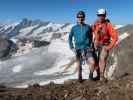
63 11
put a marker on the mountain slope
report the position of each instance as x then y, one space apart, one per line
32 28
124 52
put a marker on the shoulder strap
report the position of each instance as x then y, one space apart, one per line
107 21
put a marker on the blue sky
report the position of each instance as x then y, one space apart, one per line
62 11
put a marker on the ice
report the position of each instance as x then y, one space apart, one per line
123 36
119 26
25 31
17 69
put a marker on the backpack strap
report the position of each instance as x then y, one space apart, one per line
107 21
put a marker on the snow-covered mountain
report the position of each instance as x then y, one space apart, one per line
33 28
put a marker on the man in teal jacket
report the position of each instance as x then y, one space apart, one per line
82 44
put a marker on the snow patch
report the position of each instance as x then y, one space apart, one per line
112 67
66 29
56 69
17 69
39 30
26 30
6 26
123 36
21 86
60 47
119 26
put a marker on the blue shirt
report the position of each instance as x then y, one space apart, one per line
82 36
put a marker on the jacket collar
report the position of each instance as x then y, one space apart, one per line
80 24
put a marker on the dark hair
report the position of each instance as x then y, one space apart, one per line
81 13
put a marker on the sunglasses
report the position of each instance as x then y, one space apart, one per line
80 17
101 15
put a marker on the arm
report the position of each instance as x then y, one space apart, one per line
113 34
90 36
94 36
70 39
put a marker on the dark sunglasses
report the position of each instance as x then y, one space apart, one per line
101 15
79 17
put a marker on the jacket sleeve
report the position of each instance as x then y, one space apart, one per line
113 34
70 38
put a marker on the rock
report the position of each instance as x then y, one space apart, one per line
5 47
79 98
124 53
56 36
38 43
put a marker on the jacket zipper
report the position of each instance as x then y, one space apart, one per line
81 33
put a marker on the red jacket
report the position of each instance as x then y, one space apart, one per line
105 34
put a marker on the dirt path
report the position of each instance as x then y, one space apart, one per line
73 90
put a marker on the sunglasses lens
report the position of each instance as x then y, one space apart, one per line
80 17
101 15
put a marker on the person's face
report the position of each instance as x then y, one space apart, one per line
101 18
80 19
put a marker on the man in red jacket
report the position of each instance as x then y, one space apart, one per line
105 37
